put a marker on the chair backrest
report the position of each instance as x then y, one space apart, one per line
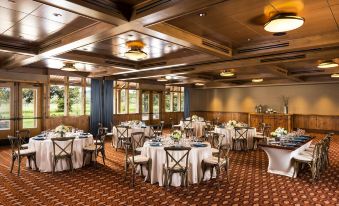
153 129
187 124
137 139
266 130
240 132
15 144
63 146
100 142
175 127
224 150
180 162
23 134
189 132
122 131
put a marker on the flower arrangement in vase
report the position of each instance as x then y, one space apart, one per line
231 123
194 117
176 135
279 132
62 129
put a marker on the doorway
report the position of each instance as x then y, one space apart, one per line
151 107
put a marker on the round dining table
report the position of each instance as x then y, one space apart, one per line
44 152
229 132
146 129
197 127
158 157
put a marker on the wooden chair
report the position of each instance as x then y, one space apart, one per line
95 149
262 135
122 134
312 160
217 162
62 149
207 131
215 140
18 153
159 129
240 136
176 165
24 135
135 160
138 140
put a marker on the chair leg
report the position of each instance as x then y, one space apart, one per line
170 174
36 167
29 162
203 171
71 164
84 158
54 164
296 168
19 163
133 175
103 156
149 167
126 169
217 170
165 177
211 170
12 163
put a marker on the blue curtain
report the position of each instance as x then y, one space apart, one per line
187 102
107 104
96 105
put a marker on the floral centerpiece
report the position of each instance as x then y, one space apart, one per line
279 132
231 123
176 135
195 117
62 129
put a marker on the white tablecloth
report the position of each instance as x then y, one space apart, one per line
229 133
158 156
146 130
197 126
280 160
44 153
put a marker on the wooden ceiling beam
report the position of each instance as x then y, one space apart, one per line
282 73
192 41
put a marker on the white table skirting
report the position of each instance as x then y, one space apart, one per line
158 156
230 132
44 154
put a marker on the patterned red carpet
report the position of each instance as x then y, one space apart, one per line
105 185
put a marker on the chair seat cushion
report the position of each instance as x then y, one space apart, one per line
138 159
138 149
211 160
214 150
90 147
97 142
24 146
25 152
303 157
257 136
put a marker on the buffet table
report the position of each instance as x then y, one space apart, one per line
280 156
229 132
158 156
44 152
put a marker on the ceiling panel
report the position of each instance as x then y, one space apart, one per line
26 6
54 14
240 22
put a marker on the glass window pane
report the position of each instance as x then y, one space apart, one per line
182 102
133 101
168 107
57 98
75 100
29 107
145 106
88 100
156 106
175 102
5 108
122 99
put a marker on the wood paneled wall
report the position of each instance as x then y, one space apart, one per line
321 123
80 122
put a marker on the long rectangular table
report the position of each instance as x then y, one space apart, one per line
280 156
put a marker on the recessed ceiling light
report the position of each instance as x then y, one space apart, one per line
168 77
284 22
257 80
57 14
69 67
327 64
162 79
199 84
226 74
336 75
202 14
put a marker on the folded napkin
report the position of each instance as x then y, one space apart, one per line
39 138
198 144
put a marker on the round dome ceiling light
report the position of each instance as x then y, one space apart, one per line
135 53
283 23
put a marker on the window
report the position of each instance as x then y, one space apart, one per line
29 107
174 99
57 100
156 105
145 106
5 108
88 97
126 97
133 101
75 101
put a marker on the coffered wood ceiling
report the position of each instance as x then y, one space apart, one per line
192 39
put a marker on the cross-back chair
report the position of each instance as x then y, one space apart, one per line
138 140
133 160
240 136
18 153
24 135
217 162
261 135
122 134
95 149
176 165
62 149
